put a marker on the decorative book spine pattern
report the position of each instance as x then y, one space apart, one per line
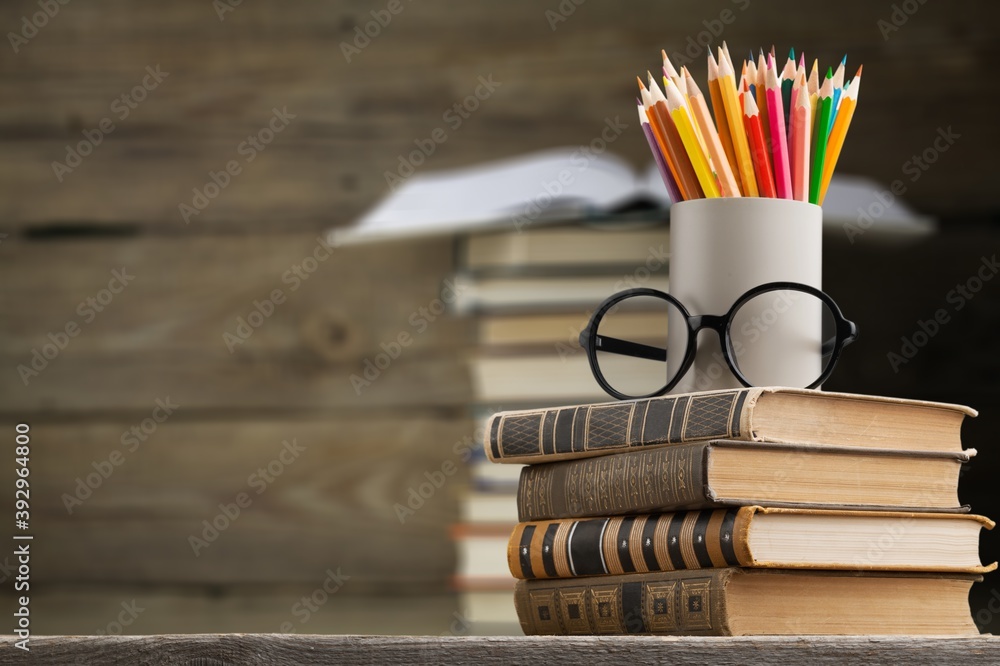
590 430
671 603
635 482
625 544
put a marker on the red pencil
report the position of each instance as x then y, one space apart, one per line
758 147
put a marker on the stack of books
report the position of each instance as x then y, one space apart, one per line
741 512
530 292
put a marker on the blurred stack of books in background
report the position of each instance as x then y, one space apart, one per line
531 293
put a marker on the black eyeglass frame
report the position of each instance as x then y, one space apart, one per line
846 333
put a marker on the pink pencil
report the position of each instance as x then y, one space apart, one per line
801 121
779 139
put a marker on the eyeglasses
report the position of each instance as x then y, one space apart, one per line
628 337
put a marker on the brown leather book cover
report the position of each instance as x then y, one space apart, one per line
668 479
714 539
799 416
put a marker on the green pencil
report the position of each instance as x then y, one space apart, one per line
820 136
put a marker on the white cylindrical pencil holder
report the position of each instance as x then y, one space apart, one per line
722 247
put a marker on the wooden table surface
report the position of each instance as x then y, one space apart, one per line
279 649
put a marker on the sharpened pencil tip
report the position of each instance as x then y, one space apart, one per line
860 67
642 86
829 72
791 54
843 60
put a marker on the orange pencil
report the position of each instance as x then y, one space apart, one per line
685 125
835 143
659 117
725 135
727 181
758 150
660 136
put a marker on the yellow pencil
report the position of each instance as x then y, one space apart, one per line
734 114
848 101
678 111
727 181
682 85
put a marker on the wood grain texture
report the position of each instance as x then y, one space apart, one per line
327 502
250 649
164 334
82 610
355 119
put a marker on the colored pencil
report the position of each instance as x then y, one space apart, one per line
840 126
685 127
682 85
798 84
721 122
668 67
820 134
755 136
727 86
813 79
661 163
728 185
774 133
801 119
779 138
787 78
838 83
761 99
661 138
659 115
838 89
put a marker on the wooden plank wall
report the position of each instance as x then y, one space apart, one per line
162 336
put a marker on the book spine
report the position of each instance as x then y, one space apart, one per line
638 482
546 435
690 603
627 544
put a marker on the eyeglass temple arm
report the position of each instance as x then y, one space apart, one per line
626 348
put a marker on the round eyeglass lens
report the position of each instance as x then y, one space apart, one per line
783 337
632 344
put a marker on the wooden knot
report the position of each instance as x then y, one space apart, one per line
332 335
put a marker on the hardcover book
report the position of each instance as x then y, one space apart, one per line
749 536
742 602
737 473
798 416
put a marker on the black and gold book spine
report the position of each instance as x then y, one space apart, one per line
591 430
625 544
680 602
636 482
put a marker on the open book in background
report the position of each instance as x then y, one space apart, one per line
568 184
